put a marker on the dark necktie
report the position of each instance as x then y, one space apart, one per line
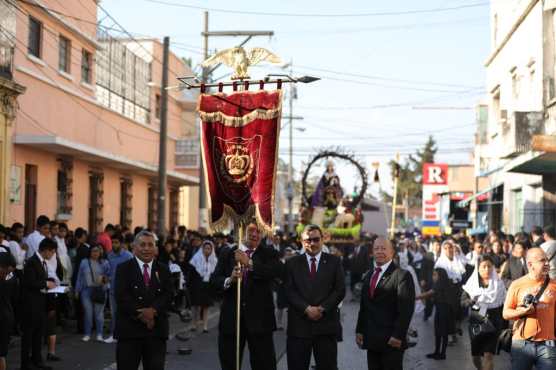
374 281
249 253
45 268
313 271
146 275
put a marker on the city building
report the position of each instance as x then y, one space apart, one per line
85 136
515 149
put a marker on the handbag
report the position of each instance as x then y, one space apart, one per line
98 294
479 325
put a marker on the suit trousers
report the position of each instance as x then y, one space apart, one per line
389 359
323 347
262 355
151 352
33 329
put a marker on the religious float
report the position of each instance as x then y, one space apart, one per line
327 204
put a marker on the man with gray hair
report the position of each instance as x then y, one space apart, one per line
144 293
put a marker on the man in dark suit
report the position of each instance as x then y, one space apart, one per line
144 293
425 275
387 304
260 265
516 266
35 284
359 264
315 287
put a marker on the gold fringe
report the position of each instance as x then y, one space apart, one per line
243 220
232 121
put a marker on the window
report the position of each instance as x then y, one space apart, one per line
86 66
64 62
35 37
157 103
187 153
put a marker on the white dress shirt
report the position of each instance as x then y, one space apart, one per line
149 268
32 241
317 257
383 268
18 253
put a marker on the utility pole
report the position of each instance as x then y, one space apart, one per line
162 142
203 211
395 195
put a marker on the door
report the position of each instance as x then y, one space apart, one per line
30 197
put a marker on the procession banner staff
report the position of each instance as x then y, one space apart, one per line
239 141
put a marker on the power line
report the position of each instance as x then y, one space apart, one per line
321 15
99 119
382 78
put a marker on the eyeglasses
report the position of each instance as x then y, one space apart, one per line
316 239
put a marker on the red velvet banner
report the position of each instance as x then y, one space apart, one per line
239 139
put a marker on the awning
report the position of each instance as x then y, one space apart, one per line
534 163
59 145
466 201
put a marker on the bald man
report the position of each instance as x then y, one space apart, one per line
534 340
387 305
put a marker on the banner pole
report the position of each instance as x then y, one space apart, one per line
238 304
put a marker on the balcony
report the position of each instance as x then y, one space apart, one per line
518 131
6 61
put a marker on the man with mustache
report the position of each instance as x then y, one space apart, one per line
258 266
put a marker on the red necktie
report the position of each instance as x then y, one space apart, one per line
146 276
313 271
374 281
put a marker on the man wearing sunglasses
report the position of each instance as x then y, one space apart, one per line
315 287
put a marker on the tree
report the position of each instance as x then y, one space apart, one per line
410 183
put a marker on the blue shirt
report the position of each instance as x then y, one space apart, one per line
115 259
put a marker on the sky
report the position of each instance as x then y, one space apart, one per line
392 73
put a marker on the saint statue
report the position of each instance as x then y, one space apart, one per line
328 192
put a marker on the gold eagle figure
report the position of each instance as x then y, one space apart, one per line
240 60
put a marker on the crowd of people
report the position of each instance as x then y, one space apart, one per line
54 275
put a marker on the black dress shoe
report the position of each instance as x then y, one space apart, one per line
182 337
440 357
432 355
52 357
42 366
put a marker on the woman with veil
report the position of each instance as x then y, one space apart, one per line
204 262
485 292
455 269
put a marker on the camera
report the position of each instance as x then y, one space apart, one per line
529 299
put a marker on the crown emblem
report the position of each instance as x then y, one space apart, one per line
237 160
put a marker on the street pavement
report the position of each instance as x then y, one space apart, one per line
100 356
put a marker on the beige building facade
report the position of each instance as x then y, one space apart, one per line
85 138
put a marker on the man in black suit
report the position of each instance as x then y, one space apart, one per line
387 304
315 287
144 293
516 266
359 264
425 274
260 265
35 284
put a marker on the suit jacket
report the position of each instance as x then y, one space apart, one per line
33 285
327 289
360 261
388 313
132 294
257 303
514 269
427 267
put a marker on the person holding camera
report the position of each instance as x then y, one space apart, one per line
531 302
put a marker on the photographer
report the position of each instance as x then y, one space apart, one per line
531 301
